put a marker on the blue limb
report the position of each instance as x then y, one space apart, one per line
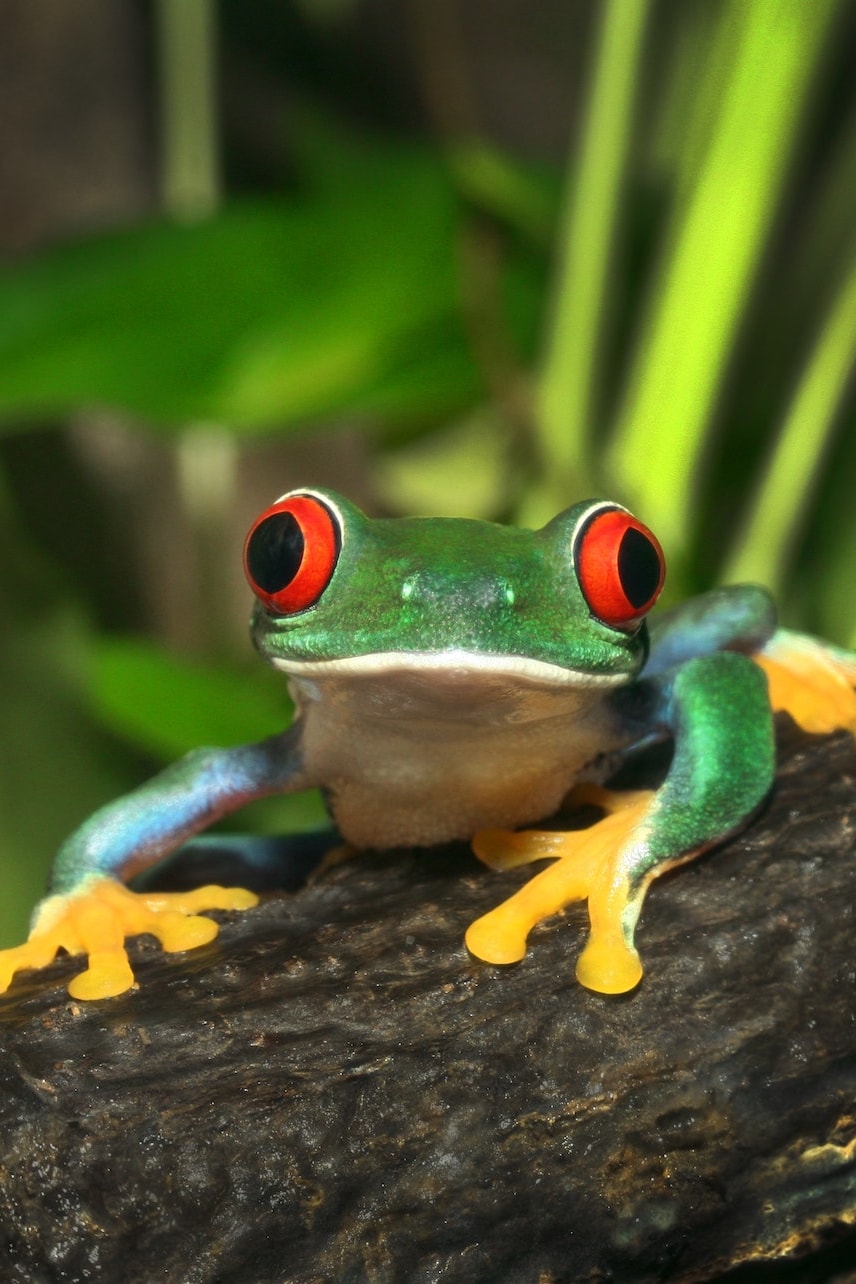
91 912
141 828
741 617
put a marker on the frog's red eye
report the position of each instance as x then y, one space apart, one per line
620 566
290 553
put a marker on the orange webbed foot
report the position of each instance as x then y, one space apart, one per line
811 681
591 864
97 918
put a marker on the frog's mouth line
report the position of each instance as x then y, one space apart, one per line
451 665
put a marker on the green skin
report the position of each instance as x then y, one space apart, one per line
452 678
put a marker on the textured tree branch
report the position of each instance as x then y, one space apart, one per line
336 1091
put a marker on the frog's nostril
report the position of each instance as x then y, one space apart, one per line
473 594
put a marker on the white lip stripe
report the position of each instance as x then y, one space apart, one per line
512 666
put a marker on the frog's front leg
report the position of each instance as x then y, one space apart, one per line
91 912
716 708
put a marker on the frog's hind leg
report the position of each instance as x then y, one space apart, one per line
96 918
716 707
810 680
737 617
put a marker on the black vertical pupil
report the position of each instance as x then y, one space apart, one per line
275 552
638 567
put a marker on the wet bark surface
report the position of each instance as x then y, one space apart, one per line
335 1090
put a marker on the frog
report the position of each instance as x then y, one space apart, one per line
456 679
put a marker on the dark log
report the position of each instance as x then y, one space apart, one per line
336 1091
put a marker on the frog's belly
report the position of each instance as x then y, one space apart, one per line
431 770
386 806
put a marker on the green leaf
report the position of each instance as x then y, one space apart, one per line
271 313
167 704
522 197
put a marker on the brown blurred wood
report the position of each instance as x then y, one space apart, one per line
336 1091
76 136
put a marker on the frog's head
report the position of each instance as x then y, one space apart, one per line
339 592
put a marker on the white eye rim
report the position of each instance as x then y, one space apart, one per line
323 497
585 519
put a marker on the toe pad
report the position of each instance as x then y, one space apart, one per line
98 917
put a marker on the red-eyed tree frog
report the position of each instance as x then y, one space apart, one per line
455 679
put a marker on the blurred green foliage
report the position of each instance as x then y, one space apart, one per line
671 320
268 315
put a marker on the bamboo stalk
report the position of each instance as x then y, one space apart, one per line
565 391
780 506
716 245
190 166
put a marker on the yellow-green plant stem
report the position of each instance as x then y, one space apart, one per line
596 171
190 173
784 496
191 190
716 243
